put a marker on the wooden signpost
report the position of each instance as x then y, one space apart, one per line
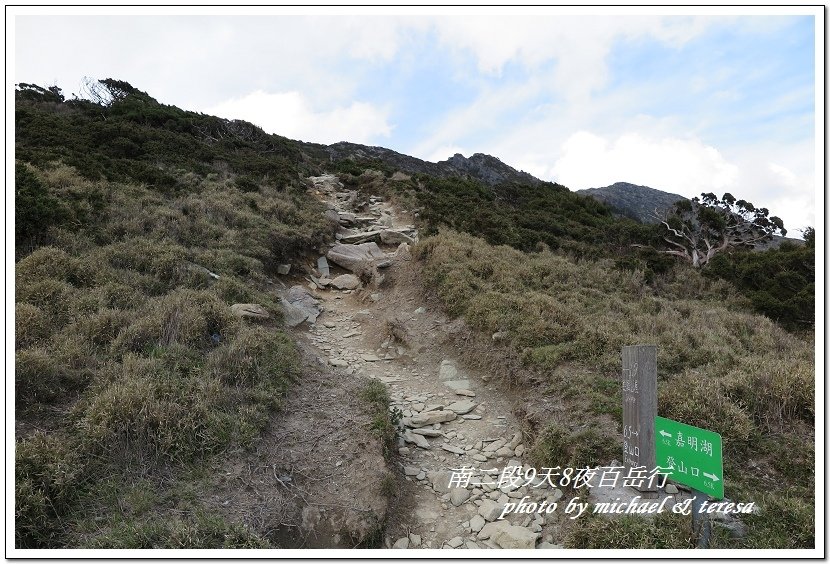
692 455
639 394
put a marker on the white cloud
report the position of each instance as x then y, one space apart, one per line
684 166
578 44
291 115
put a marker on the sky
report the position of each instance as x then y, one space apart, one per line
681 102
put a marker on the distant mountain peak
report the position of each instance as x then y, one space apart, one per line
634 201
479 166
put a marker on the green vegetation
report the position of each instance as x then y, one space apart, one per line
132 375
565 320
698 229
384 421
780 282
129 361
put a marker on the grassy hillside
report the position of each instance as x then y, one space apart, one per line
564 321
131 370
133 376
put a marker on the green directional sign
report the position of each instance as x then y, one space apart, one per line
693 455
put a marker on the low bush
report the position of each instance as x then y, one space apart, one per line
257 356
38 377
31 326
49 477
192 318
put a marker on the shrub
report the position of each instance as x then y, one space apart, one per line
151 413
34 207
187 317
38 377
774 390
48 479
666 530
51 296
384 422
559 446
702 401
256 356
31 326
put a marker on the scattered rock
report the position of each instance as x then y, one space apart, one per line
355 257
370 357
494 446
468 393
414 540
440 481
283 269
299 306
393 237
543 545
428 432
476 523
490 510
251 311
401 543
453 449
323 267
455 542
339 363
462 407
511 536
430 417
671 489
417 440
346 282
459 496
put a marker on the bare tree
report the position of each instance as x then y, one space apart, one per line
700 228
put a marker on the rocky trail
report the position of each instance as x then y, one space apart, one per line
362 314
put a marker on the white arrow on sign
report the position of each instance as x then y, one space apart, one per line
665 434
711 477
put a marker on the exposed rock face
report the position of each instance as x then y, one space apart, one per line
485 168
636 202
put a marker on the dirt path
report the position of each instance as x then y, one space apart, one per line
452 418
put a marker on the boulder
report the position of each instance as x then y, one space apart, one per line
511 536
252 311
462 407
440 481
355 257
393 237
346 282
430 418
323 267
505 535
299 306
490 510
459 496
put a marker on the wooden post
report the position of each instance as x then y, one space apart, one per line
639 394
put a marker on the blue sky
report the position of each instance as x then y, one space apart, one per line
683 103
